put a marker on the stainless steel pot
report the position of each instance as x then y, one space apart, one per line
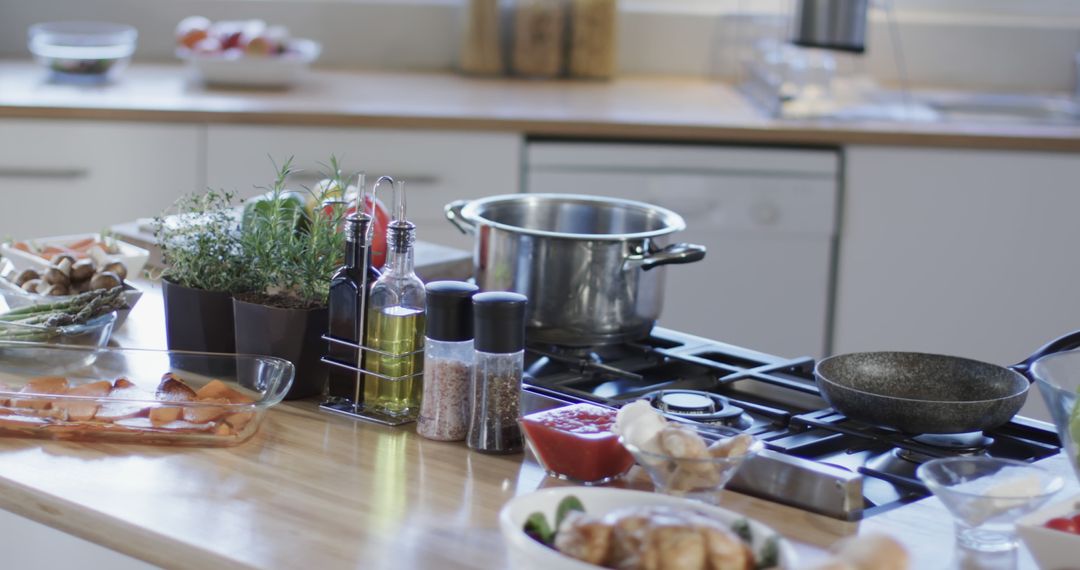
592 267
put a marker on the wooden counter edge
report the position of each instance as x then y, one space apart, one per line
774 133
110 532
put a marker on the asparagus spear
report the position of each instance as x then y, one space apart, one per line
40 322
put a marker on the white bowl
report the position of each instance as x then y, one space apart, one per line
1052 549
282 70
134 258
527 553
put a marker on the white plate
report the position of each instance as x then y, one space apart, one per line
134 258
1052 549
282 70
526 553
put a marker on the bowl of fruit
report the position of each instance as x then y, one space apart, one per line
247 53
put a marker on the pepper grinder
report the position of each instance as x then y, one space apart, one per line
498 364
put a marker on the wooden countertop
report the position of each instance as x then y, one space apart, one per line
312 490
653 108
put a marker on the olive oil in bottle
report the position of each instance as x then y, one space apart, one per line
395 324
397 330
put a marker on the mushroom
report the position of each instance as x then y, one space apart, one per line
105 280
31 286
56 260
26 275
83 270
118 268
58 290
55 276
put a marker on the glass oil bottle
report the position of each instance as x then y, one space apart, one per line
395 325
349 287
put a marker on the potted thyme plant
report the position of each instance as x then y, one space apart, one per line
199 239
291 252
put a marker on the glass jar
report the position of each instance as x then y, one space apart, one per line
498 364
448 358
482 32
538 37
593 38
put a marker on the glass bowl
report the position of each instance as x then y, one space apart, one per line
82 51
120 395
95 333
575 443
986 495
698 478
1058 377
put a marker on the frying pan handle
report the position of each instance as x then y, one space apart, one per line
1061 344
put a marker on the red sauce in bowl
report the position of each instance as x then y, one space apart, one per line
576 442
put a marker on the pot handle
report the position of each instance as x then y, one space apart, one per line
1061 344
670 255
453 214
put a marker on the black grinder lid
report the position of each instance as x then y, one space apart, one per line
450 310
500 321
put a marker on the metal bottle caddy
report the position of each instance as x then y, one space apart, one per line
355 408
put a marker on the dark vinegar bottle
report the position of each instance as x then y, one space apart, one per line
349 289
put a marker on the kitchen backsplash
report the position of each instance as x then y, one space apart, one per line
973 51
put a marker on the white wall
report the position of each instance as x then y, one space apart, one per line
999 44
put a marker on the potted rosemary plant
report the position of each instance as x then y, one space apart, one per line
199 239
292 251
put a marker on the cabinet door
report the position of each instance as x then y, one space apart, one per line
64 177
971 253
437 166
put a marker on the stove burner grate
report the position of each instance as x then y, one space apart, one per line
701 407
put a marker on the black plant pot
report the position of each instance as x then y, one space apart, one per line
292 334
198 320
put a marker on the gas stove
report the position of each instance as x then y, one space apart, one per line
814 459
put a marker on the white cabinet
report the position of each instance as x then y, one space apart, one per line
437 166
767 217
30 544
62 177
971 253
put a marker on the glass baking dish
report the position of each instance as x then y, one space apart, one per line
136 395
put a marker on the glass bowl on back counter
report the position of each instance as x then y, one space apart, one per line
82 52
135 395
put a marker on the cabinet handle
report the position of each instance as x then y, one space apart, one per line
55 173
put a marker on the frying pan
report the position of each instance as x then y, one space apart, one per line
920 393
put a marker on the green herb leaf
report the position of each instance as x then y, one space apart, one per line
568 504
769 557
537 527
741 527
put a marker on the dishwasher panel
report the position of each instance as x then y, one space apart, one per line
765 282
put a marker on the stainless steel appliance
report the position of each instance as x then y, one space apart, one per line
815 459
592 267
831 24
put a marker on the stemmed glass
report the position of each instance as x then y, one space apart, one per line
986 495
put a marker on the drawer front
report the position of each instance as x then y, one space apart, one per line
65 177
437 166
